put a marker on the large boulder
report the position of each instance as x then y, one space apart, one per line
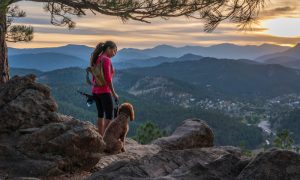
274 164
73 141
193 133
35 140
25 104
221 163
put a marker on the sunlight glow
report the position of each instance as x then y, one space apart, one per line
284 27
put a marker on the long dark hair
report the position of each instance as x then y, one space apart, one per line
100 48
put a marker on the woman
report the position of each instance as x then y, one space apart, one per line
103 95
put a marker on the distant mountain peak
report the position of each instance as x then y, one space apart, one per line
190 55
294 51
267 45
74 45
297 46
163 46
225 44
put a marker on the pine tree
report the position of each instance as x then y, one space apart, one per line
283 140
148 132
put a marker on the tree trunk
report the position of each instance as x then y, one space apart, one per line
4 69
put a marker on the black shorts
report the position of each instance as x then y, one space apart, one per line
104 105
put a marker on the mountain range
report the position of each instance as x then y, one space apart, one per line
206 77
47 59
226 50
228 77
288 58
153 61
80 51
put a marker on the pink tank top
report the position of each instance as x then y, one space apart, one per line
108 75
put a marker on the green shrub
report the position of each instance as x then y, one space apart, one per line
283 140
147 132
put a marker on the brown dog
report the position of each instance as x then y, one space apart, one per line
116 132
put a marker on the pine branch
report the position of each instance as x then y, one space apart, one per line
12 13
17 33
212 12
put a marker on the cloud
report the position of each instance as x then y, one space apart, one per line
280 8
176 31
286 11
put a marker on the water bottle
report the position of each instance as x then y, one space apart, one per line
89 102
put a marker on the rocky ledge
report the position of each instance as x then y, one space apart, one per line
37 142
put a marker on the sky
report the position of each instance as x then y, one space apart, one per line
279 23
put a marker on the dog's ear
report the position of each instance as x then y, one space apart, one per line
131 113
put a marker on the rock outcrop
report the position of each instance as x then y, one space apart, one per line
193 133
199 163
220 163
187 154
37 141
25 104
273 164
134 151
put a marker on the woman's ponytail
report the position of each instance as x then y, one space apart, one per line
98 50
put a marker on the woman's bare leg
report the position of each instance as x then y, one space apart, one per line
106 124
101 126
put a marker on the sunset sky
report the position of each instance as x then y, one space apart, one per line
279 24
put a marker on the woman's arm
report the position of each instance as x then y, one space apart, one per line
108 76
110 85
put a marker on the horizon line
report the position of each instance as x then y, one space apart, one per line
282 45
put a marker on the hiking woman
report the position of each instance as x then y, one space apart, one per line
103 94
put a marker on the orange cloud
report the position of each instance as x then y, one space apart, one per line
177 31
